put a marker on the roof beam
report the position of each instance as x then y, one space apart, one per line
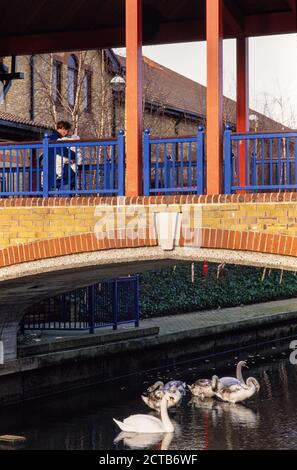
233 16
254 25
60 42
292 5
97 39
270 23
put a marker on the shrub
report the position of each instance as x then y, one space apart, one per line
168 291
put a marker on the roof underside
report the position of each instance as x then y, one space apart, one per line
37 26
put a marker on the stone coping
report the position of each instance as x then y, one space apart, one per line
149 200
119 239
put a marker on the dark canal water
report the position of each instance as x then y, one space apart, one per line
83 420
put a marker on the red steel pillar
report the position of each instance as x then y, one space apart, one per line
242 108
214 111
133 98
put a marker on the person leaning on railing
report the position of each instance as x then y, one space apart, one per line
59 158
75 162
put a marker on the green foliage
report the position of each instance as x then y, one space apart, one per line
167 292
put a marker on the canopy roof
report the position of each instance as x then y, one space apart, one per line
40 26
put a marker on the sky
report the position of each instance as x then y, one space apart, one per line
273 71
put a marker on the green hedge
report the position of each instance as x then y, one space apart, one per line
168 291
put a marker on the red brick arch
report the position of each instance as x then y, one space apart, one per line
259 242
87 242
74 244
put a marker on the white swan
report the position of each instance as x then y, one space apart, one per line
204 388
238 392
149 424
227 381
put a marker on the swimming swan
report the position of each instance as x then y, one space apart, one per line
159 385
169 386
149 424
154 396
203 388
153 399
227 381
176 385
155 392
238 392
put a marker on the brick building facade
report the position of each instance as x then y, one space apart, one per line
76 86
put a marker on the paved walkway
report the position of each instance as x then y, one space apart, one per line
183 325
204 319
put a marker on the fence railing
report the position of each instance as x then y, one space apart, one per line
63 168
106 304
260 161
174 165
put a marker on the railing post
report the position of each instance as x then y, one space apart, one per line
136 297
115 305
91 308
146 163
121 162
200 160
228 160
107 166
46 175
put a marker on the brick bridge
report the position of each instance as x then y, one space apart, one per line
48 246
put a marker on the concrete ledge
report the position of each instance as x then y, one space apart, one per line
85 340
119 343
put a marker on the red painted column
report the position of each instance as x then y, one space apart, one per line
133 98
214 111
242 108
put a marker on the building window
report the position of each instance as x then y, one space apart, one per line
57 81
87 91
72 79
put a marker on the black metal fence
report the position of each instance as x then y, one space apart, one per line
104 304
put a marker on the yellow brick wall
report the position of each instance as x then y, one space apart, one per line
26 224
278 218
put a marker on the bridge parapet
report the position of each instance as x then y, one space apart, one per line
33 229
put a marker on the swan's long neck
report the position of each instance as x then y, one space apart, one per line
253 384
168 426
239 372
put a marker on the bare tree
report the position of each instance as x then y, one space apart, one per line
53 101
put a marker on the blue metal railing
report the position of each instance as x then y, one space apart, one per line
63 168
174 165
107 304
268 161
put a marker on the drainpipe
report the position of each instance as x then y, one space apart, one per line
32 72
177 122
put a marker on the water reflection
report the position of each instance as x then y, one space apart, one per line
145 441
236 415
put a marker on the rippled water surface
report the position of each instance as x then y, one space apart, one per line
84 420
